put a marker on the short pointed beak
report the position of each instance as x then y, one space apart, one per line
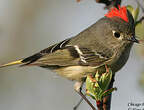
133 39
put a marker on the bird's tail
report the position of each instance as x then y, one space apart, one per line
26 61
12 63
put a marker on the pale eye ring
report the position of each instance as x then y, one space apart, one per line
116 34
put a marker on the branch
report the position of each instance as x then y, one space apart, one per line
99 105
109 3
107 99
106 104
139 21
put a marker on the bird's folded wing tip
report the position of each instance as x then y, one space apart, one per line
12 63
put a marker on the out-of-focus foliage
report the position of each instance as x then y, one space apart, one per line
140 30
134 12
139 34
139 25
141 81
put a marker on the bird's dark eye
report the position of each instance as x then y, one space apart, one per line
116 34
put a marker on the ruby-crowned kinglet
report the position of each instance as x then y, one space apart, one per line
108 41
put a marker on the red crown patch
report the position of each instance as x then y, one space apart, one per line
121 12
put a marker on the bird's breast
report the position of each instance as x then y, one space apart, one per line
75 72
121 58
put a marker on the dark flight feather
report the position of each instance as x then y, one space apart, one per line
48 50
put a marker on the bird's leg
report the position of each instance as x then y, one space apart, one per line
78 104
77 88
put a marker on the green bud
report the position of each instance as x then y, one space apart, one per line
96 87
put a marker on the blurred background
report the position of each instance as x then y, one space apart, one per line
28 26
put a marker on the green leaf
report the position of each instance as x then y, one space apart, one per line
91 95
108 92
136 13
91 86
130 8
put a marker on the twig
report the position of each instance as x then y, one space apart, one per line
106 103
139 21
99 105
78 104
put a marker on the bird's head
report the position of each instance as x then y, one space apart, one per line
118 27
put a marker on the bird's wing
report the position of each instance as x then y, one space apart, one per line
62 54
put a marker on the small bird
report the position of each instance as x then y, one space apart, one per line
107 42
